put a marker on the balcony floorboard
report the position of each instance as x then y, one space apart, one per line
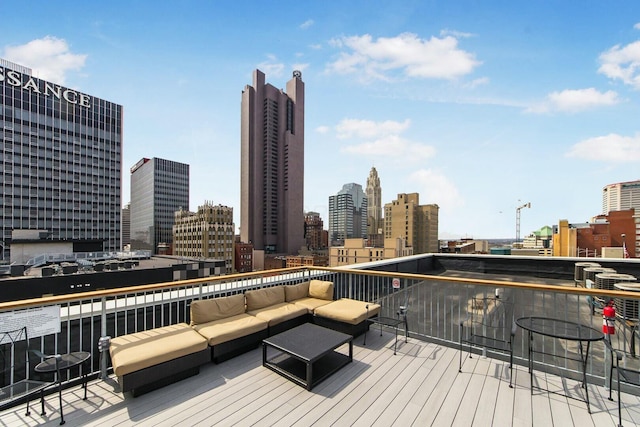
417 387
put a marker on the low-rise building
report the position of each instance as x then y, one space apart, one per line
208 233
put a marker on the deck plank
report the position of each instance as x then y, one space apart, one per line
419 386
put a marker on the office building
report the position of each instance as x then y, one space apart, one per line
159 188
347 214
417 224
60 162
356 251
243 256
208 233
621 196
374 206
272 165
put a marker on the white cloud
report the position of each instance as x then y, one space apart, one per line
622 63
454 33
49 58
572 101
306 24
438 58
477 82
382 140
323 129
271 66
637 26
435 187
612 148
315 46
392 147
349 128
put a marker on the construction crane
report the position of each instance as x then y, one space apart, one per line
518 209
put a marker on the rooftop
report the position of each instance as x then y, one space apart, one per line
419 386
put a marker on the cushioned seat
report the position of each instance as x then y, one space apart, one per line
310 295
228 329
346 315
141 350
269 305
278 313
144 361
348 311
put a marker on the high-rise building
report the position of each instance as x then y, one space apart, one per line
207 233
272 165
374 209
313 227
159 188
417 224
347 214
60 161
621 196
126 225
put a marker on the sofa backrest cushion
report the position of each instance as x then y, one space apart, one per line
294 292
321 289
264 297
208 310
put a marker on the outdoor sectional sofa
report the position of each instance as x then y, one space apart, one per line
228 326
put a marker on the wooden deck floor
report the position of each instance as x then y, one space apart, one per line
420 386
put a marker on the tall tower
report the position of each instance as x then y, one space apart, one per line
159 188
621 196
272 165
347 214
374 205
417 224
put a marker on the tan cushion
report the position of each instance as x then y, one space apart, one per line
208 310
321 289
133 352
348 310
264 297
279 313
230 328
294 292
311 303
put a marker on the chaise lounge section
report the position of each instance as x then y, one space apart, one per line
147 360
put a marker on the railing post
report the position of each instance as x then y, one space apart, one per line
103 333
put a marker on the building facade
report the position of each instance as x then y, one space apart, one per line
417 224
313 230
618 229
60 161
621 196
208 233
375 224
159 188
347 214
355 251
126 226
243 256
272 165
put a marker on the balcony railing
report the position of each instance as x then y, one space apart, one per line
436 305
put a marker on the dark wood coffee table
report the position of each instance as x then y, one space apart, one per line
306 354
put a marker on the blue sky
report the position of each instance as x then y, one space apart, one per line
479 106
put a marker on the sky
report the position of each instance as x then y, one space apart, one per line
480 107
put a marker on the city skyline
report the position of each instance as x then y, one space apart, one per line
478 108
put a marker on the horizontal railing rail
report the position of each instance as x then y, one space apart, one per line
436 305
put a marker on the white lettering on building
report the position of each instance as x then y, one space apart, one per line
15 79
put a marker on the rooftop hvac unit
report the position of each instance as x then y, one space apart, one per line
607 280
578 274
627 308
589 273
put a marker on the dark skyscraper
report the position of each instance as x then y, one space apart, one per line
158 189
272 165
